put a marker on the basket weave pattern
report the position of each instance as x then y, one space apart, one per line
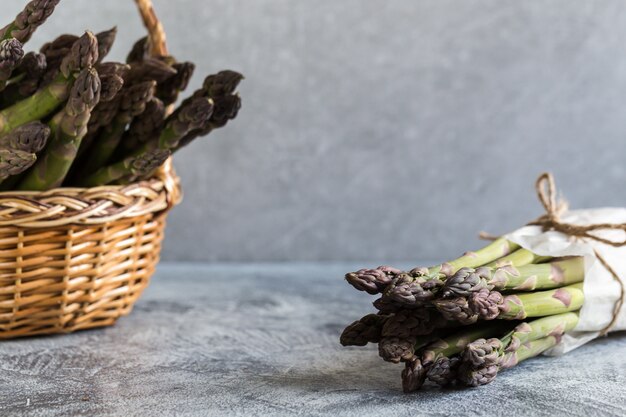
78 258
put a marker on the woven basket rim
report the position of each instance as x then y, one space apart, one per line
90 206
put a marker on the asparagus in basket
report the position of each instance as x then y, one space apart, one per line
191 115
69 126
132 102
11 54
28 20
31 137
14 162
26 79
83 54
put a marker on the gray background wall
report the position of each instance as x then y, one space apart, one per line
386 130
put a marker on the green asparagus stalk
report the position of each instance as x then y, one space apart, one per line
525 278
132 103
28 20
69 126
31 138
366 330
14 162
11 54
83 54
520 257
542 303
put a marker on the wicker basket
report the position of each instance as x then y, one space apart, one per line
77 258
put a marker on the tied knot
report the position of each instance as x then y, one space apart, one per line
546 191
551 220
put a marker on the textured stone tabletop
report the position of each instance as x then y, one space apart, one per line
262 340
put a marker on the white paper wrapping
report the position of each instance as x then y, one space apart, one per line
601 290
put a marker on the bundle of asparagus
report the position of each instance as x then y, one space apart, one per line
464 320
67 118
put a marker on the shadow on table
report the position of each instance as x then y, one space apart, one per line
370 375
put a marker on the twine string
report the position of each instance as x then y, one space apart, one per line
551 220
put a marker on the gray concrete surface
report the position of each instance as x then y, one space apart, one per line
367 123
249 340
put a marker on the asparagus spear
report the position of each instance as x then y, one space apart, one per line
146 126
385 305
32 65
14 162
111 85
69 126
132 103
401 331
517 306
11 54
150 69
226 109
31 137
408 324
542 303
372 281
105 42
416 369
525 278
220 88
55 51
26 79
518 258
169 89
395 349
483 375
28 20
60 47
367 329
83 54
139 51
485 352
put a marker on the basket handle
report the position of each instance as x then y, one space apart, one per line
158 47
156 33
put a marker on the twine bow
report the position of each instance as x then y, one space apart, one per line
546 191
